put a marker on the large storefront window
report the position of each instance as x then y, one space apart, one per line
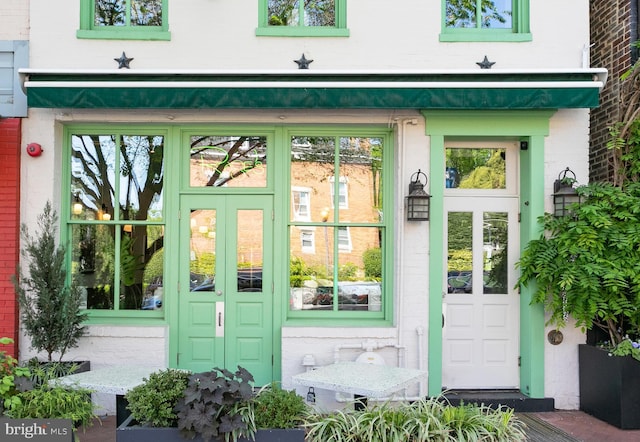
337 248
116 219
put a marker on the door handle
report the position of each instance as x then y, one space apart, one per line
219 319
219 292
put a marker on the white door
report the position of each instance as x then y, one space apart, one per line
481 308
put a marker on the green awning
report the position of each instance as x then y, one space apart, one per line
480 89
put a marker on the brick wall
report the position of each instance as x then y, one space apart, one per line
613 29
9 227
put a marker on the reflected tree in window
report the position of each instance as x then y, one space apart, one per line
117 179
478 14
128 12
217 160
313 12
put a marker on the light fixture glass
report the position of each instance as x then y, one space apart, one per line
106 216
76 208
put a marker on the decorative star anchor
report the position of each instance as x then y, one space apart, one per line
303 63
485 64
123 61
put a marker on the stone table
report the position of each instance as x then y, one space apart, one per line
360 379
116 380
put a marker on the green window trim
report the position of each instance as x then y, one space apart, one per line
336 317
339 30
519 32
531 126
119 223
89 31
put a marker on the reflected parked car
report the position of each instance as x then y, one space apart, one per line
249 280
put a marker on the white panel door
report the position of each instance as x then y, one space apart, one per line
481 307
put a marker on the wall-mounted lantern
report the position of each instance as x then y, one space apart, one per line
418 200
564 194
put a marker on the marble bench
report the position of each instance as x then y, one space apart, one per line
117 380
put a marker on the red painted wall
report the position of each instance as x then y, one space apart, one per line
9 227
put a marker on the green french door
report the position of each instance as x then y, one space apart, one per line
226 284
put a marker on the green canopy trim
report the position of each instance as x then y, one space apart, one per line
314 90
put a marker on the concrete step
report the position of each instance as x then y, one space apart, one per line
494 398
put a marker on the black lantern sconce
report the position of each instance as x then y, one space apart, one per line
418 200
564 194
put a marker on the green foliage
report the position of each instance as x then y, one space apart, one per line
348 272
42 372
462 13
278 408
587 265
55 402
204 264
11 376
627 348
50 308
216 403
423 420
297 272
153 402
372 259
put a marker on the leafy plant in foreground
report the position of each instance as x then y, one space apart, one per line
10 378
587 265
217 403
278 408
153 402
425 420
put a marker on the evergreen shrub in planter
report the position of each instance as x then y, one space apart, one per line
50 307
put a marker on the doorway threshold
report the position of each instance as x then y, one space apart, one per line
495 398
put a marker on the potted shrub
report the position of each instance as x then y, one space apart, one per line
587 266
279 414
217 405
50 307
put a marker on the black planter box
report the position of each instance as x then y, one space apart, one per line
128 432
610 387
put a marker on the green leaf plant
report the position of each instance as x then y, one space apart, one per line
12 378
217 403
431 419
587 265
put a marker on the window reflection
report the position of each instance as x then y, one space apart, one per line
472 168
459 252
249 256
228 161
336 187
495 247
118 239
202 259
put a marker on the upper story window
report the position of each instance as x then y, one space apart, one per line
124 19
320 18
343 198
301 197
485 20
